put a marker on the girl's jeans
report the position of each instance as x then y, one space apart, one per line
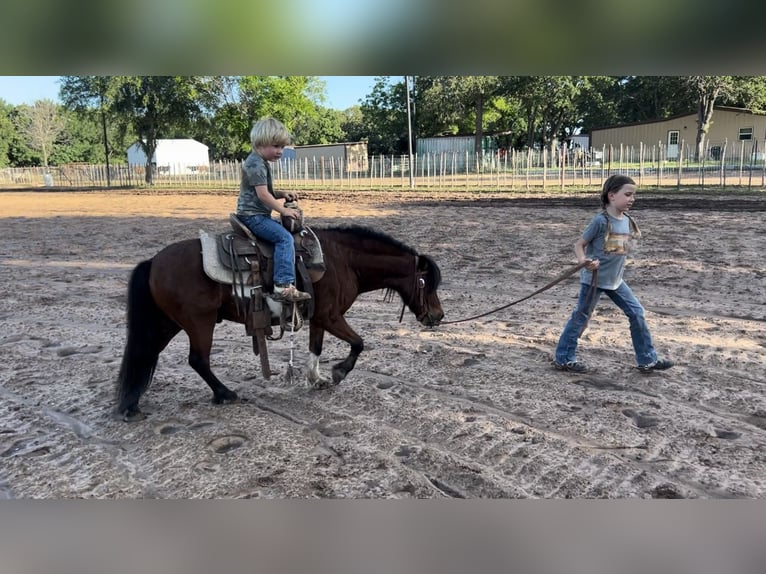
284 249
623 297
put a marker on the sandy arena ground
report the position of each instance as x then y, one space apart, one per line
472 410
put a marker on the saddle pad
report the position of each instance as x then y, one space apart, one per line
210 263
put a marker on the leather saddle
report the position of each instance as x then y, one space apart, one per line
248 263
236 250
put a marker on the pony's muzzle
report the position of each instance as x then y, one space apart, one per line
431 319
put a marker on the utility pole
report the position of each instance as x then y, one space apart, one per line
409 131
103 126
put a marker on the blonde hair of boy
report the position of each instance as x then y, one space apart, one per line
269 131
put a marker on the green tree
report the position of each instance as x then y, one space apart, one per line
83 141
559 113
162 106
550 106
320 128
600 101
152 106
707 90
470 95
436 111
20 154
384 113
530 91
224 128
90 99
464 105
293 100
41 125
649 98
351 123
7 132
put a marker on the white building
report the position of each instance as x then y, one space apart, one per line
173 156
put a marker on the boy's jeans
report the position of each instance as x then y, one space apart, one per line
623 297
284 249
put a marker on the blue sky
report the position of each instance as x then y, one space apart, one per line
342 91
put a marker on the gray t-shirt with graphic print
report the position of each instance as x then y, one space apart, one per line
610 251
255 171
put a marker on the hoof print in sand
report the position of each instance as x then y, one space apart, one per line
167 429
642 420
726 434
668 491
224 444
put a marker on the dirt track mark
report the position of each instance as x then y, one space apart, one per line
457 469
51 437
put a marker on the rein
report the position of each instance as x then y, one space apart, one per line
559 279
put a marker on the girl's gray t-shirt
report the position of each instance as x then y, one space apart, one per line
610 251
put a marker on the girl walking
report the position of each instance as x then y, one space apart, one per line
603 246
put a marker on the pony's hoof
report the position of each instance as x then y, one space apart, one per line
224 398
338 375
130 415
319 384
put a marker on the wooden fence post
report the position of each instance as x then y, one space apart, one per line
680 163
741 160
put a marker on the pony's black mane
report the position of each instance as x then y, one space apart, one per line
369 233
360 232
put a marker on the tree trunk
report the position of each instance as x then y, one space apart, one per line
531 113
704 117
149 146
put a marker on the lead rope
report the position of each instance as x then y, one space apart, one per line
559 279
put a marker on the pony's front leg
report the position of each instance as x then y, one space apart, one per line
342 330
314 377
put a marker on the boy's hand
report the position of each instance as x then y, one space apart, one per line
290 195
591 264
290 212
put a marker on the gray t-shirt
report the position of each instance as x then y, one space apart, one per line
609 243
255 171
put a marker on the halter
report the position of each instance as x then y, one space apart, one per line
419 289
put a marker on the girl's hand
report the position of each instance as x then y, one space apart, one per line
591 264
290 195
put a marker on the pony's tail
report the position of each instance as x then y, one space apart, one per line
141 352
